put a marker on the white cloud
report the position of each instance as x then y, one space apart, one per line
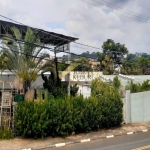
92 25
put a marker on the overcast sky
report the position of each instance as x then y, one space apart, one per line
91 21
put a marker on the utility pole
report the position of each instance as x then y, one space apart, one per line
56 64
69 61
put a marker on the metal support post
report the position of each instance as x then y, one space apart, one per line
69 61
56 63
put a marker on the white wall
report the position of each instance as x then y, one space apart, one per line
85 90
137 107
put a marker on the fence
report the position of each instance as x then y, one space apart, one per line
136 107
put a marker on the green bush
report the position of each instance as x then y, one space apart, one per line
6 134
110 102
61 117
31 119
74 89
116 83
137 87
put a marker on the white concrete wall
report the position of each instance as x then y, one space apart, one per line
137 107
85 90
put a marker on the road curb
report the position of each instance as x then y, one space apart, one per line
88 140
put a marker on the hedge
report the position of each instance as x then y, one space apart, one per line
62 117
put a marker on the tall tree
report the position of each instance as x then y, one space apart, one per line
107 65
84 64
22 57
100 58
110 45
131 57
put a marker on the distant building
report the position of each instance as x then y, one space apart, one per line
94 64
140 54
43 61
52 57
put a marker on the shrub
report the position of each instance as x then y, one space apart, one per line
116 83
111 109
137 87
105 72
110 102
6 133
74 89
61 117
78 108
31 119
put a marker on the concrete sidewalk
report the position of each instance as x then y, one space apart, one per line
21 143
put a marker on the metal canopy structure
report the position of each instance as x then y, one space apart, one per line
46 37
60 42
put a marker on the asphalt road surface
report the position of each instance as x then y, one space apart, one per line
140 141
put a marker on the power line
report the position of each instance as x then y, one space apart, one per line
50 33
133 18
88 46
28 43
11 19
29 54
40 57
37 45
111 5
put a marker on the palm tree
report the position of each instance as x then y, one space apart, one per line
3 61
22 57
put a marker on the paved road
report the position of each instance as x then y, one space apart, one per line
125 142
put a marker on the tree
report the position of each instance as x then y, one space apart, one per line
131 57
114 50
84 64
3 61
53 83
53 86
62 66
74 89
116 83
22 57
100 58
103 89
107 65
144 63
131 67
110 45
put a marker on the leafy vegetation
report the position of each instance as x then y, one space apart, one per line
116 83
6 133
107 65
134 65
137 87
74 89
21 57
144 64
84 64
61 117
112 46
54 85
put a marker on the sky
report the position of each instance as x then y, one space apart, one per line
92 21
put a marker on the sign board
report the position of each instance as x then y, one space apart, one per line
83 76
